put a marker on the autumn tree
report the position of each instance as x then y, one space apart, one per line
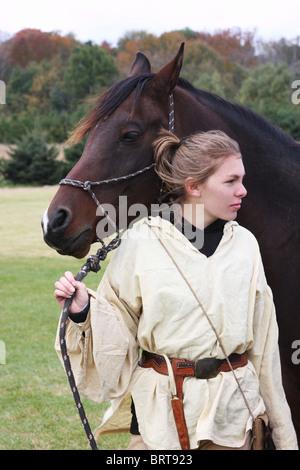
34 45
233 45
159 49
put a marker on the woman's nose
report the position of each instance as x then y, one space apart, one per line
241 191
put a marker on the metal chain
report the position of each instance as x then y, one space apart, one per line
171 129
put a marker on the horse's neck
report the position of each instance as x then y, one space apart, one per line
253 132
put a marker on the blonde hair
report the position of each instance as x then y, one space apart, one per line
197 156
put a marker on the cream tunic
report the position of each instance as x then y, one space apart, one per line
143 302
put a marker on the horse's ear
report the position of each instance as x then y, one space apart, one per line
140 65
165 80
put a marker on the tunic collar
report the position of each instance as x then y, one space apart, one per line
167 229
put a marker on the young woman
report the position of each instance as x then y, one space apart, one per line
192 295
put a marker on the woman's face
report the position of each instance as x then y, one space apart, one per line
223 191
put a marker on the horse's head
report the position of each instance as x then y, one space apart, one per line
121 130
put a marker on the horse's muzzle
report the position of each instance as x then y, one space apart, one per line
54 231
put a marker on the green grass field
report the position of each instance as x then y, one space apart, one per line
37 410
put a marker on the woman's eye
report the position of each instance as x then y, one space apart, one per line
131 136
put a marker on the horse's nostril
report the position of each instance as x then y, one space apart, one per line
59 220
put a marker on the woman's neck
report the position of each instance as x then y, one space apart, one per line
195 214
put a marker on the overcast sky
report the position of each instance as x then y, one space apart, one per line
99 20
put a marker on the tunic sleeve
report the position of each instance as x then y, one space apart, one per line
264 355
103 350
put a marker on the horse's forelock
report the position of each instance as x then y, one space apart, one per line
108 102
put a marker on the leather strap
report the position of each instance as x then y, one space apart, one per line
178 411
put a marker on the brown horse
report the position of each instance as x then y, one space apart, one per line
121 129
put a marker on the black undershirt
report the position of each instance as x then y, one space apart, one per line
211 239
211 236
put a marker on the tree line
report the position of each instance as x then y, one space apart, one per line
50 79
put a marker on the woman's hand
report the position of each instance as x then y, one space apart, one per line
65 288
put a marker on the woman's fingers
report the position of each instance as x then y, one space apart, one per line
66 284
66 287
70 277
60 292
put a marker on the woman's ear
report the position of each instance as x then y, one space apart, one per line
192 187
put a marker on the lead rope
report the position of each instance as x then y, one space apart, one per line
92 264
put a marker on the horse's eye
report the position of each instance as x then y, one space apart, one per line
130 136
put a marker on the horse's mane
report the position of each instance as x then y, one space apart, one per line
110 100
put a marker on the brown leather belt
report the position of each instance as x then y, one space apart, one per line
201 369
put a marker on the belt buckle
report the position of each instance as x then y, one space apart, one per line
206 368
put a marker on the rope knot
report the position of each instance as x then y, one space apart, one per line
86 186
94 263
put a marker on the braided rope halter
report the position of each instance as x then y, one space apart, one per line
93 264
